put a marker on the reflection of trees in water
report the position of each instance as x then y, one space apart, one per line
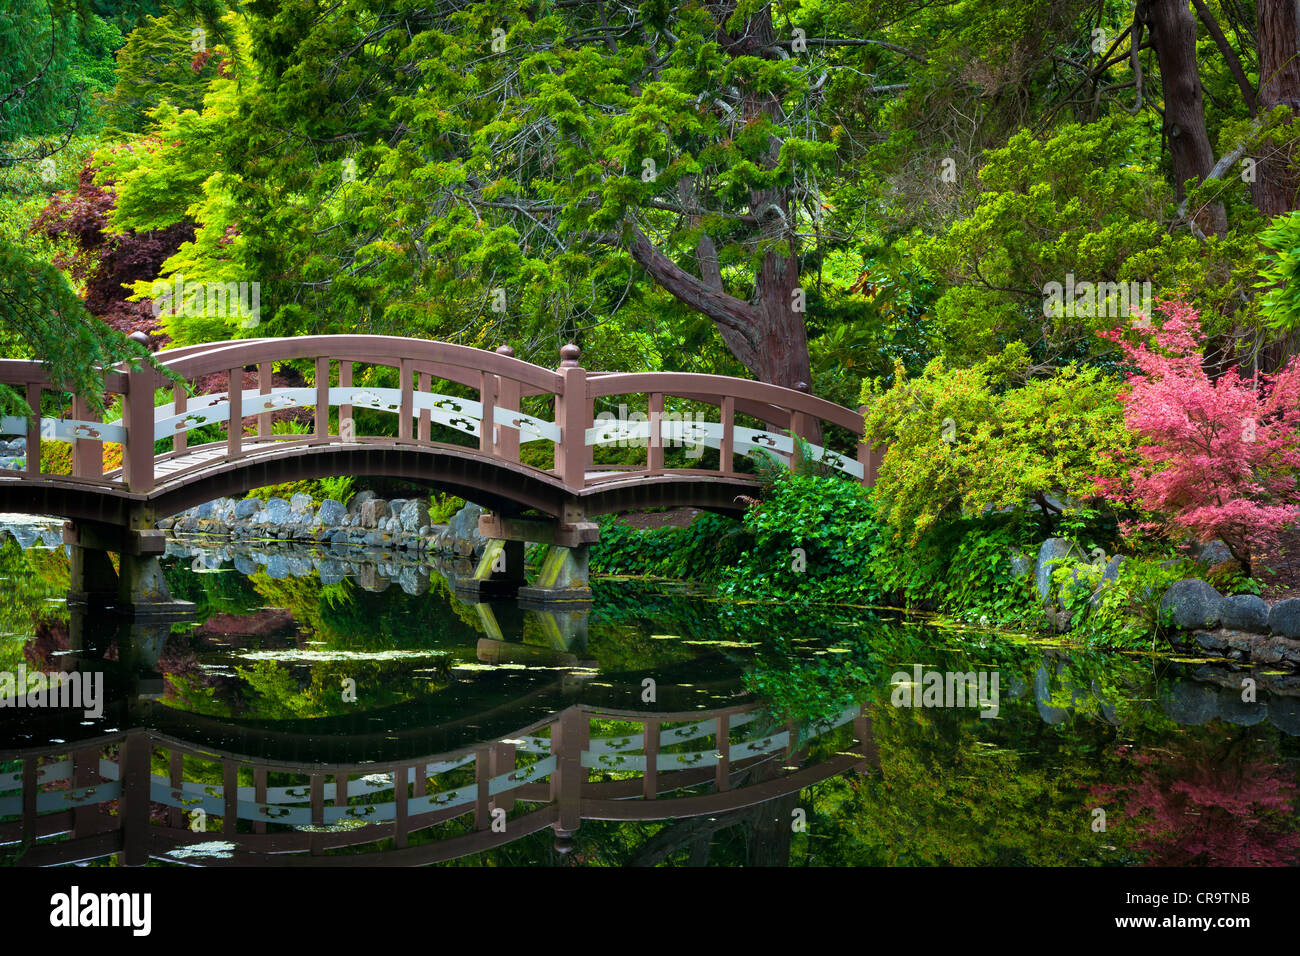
1220 798
957 790
31 584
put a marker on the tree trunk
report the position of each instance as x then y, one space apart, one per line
1276 186
1173 31
767 335
770 836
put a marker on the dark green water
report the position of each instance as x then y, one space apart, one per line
523 733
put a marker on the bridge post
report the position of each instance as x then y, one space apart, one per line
499 574
137 418
92 579
569 738
138 592
572 413
563 579
506 444
87 453
869 456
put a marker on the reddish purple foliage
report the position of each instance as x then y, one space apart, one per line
109 261
1217 458
1212 804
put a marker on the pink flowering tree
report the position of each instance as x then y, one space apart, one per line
1216 459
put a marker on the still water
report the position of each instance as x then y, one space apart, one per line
317 709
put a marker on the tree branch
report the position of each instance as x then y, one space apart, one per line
1229 55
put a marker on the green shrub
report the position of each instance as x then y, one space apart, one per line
442 507
963 568
698 552
812 539
1127 613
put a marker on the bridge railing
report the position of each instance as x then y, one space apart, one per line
497 381
83 429
786 414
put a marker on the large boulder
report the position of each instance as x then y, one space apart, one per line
373 512
1053 551
1019 564
1236 711
1284 618
359 500
300 503
331 571
462 530
1245 612
412 581
1109 575
1190 704
414 514
331 513
1212 552
278 511
1284 713
1192 604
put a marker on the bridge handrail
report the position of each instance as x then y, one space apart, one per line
697 385
34 372
494 416
377 349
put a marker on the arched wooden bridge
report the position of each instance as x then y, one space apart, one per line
162 473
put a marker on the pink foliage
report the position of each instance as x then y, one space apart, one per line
1217 458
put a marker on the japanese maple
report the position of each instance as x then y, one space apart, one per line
1214 458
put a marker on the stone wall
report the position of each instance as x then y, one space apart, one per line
1240 627
366 522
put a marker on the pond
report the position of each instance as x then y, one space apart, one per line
327 707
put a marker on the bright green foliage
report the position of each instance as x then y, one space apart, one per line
62 63
442 507
963 569
157 64
34 583
961 440
698 552
812 541
40 311
1049 208
1127 613
1279 265
396 185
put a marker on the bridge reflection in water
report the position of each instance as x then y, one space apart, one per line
107 796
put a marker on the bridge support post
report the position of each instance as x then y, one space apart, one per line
563 579
92 579
138 592
499 574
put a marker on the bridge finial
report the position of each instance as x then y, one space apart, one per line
802 387
142 338
569 355
507 351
